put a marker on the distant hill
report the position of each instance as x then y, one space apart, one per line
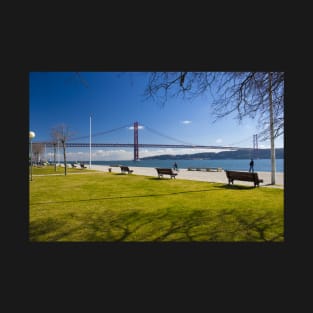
238 154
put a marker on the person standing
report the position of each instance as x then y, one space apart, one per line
251 168
175 166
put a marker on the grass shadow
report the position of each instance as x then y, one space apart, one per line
236 187
160 179
127 197
43 227
226 225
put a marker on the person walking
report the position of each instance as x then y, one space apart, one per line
251 168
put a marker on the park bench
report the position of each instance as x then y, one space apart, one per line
244 176
206 169
125 169
214 169
165 171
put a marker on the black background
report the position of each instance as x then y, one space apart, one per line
150 276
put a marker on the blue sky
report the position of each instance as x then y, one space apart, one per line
114 100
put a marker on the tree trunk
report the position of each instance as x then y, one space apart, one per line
64 155
54 157
273 157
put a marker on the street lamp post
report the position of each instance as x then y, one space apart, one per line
31 136
90 141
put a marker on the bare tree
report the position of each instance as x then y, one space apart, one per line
54 143
61 134
247 94
38 149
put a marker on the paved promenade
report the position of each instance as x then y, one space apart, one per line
218 177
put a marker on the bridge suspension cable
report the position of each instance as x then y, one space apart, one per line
256 136
241 141
100 133
168 137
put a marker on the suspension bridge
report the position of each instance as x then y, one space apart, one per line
136 145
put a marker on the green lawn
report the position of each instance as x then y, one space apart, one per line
121 207
58 170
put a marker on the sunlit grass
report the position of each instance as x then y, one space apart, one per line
50 169
121 207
